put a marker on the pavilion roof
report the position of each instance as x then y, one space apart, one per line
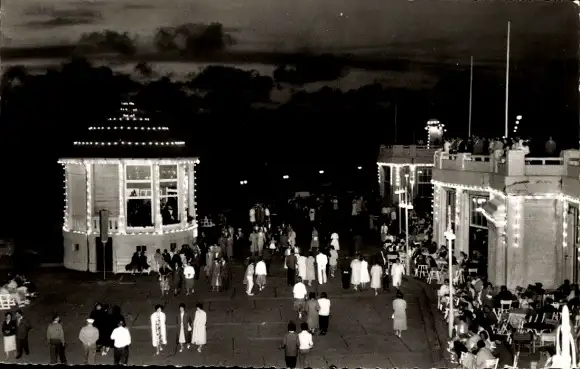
129 134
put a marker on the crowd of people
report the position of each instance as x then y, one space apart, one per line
485 146
309 264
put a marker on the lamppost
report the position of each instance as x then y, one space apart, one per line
450 236
407 206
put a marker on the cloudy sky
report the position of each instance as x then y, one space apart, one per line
424 29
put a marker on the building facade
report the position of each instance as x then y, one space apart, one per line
521 213
142 179
405 167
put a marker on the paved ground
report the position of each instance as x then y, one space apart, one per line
242 330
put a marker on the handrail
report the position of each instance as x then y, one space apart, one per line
113 223
420 147
479 158
544 161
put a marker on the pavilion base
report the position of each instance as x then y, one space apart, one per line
84 252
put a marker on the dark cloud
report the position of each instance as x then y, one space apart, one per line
137 6
61 18
58 22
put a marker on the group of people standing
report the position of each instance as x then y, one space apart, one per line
191 330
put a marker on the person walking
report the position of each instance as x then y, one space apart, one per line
158 329
302 266
261 272
333 261
189 276
291 261
9 334
185 325
250 279
376 277
121 338
56 342
399 314
345 273
290 345
89 335
310 269
321 263
299 292
365 277
314 242
397 272
312 309
323 313
355 273
23 327
305 344
199 335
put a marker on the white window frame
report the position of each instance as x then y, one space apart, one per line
421 169
176 196
128 193
474 213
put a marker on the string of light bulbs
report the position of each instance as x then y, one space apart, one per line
128 128
129 143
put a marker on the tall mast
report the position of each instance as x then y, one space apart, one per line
507 79
470 96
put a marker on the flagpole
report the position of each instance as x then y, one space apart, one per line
396 123
507 79
470 95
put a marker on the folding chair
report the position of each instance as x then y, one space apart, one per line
490 364
421 271
434 275
548 338
505 306
5 302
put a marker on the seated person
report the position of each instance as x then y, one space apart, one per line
472 341
548 309
444 290
565 289
133 266
503 295
143 265
489 315
462 328
485 338
483 354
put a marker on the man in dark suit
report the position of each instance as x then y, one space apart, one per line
291 262
22 328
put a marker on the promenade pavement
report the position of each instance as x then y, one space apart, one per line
242 330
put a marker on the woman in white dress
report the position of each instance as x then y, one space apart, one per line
365 277
355 273
158 329
199 336
376 277
399 314
302 267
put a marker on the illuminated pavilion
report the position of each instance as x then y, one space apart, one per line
144 180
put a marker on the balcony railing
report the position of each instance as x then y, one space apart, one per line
407 153
113 224
533 166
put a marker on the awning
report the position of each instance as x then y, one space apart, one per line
494 211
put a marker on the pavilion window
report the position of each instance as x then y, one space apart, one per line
139 196
478 220
169 194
